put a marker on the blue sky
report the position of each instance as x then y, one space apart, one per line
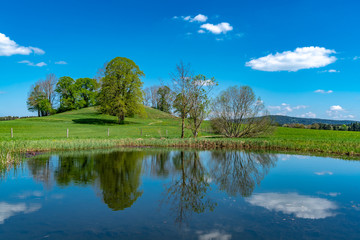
301 57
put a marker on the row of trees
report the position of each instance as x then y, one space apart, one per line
324 126
117 90
53 95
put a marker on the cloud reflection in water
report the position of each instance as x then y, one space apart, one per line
292 203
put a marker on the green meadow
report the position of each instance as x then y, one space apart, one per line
89 130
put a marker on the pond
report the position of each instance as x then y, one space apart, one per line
180 194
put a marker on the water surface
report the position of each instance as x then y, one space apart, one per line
160 194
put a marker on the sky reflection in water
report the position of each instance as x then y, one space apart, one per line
159 194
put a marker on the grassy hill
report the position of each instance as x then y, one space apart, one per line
87 122
89 129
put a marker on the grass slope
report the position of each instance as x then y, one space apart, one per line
88 129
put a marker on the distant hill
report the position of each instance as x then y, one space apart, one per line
307 121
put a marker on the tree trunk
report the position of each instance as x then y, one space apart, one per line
182 127
121 119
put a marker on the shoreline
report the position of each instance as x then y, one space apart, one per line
16 150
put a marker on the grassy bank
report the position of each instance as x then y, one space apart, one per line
89 130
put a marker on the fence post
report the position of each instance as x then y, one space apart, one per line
67 133
108 132
12 133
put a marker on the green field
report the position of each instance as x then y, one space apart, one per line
89 129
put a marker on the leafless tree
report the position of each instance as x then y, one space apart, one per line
48 87
236 112
151 96
101 72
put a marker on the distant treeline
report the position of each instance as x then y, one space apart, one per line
323 126
12 118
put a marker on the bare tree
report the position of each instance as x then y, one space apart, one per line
238 113
101 72
182 87
151 96
48 87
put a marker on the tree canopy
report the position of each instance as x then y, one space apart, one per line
121 93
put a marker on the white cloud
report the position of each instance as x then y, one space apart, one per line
285 108
309 114
8 210
356 58
40 64
201 31
324 173
292 61
301 206
61 62
199 18
338 112
9 47
336 108
323 91
214 235
330 71
207 82
223 27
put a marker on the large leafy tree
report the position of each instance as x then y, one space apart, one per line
67 93
121 93
87 91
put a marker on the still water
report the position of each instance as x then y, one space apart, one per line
160 194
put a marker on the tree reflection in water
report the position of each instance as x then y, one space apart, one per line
187 193
117 175
237 172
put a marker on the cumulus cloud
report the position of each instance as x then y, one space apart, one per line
214 235
40 64
301 206
223 27
309 115
8 210
292 61
323 91
285 108
61 62
336 108
9 47
197 18
338 112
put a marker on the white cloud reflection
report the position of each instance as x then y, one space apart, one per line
214 235
8 210
301 206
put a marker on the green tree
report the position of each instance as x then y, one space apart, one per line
200 102
164 99
121 93
67 94
87 91
35 98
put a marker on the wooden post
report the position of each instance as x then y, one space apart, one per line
108 132
67 133
12 133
